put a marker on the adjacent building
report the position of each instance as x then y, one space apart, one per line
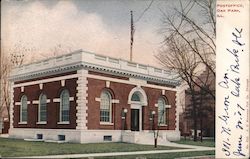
205 108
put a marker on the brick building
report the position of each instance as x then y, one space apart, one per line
206 107
84 97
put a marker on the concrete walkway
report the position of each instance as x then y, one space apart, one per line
190 149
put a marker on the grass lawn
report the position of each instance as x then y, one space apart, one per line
206 142
15 147
162 156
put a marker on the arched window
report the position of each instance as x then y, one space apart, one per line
42 116
138 96
23 110
105 107
161 111
135 97
64 106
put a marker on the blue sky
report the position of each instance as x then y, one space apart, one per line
98 26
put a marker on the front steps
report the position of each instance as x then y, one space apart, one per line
146 138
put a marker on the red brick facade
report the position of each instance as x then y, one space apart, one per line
121 92
52 90
118 91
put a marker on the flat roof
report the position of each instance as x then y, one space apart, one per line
91 60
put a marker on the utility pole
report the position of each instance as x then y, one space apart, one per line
132 31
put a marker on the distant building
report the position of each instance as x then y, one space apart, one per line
207 104
84 97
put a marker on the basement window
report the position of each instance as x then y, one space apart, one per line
39 136
107 138
61 137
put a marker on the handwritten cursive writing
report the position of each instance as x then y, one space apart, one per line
239 152
231 82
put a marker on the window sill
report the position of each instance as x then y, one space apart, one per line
22 122
163 125
106 123
63 122
41 122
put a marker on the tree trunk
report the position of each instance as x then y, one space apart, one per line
201 127
194 116
156 142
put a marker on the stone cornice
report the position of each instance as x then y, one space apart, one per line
89 61
125 73
96 68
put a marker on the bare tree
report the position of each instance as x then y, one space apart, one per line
13 58
195 33
5 86
189 47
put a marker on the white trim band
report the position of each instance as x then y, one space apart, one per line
56 100
98 99
46 80
71 99
41 122
106 123
35 102
22 122
167 106
115 101
17 103
63 122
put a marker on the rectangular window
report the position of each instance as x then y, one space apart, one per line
24 115
161 112
43 114
104 114
161 115
65 115
61 137
107 138
39 136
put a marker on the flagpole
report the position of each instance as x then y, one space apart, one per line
131 36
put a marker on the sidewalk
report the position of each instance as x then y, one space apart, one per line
198 157
191 149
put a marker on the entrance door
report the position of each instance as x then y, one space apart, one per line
135 120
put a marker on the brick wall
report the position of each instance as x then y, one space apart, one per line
52 90
121 92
